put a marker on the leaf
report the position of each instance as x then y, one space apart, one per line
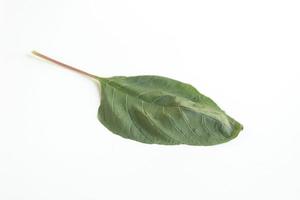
159 110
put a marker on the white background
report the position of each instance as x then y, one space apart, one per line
243 54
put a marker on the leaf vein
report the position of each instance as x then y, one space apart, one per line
112 101
155 127
186 120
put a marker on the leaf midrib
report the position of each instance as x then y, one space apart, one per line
138 98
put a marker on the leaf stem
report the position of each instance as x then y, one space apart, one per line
64 65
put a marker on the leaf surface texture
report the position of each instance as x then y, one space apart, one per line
159 110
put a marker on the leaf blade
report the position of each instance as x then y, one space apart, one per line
143 108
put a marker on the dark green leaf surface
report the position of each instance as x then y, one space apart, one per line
159 110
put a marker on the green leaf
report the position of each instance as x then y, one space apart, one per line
159 110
